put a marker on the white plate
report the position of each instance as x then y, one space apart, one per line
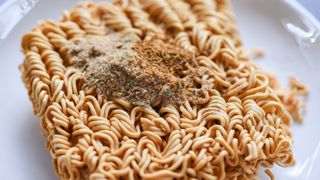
282 28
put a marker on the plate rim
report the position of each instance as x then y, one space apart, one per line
295 5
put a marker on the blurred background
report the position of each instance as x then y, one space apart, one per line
313 6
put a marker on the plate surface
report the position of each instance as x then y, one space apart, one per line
287 33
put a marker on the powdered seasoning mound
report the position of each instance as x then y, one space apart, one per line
147 73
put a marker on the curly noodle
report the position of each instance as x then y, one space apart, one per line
240 124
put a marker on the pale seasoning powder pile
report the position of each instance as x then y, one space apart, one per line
148 73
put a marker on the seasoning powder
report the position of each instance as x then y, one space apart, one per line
150 73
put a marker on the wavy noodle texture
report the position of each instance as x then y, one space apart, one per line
240 124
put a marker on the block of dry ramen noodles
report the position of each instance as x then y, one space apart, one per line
145 89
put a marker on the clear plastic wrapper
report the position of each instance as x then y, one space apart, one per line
11 12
